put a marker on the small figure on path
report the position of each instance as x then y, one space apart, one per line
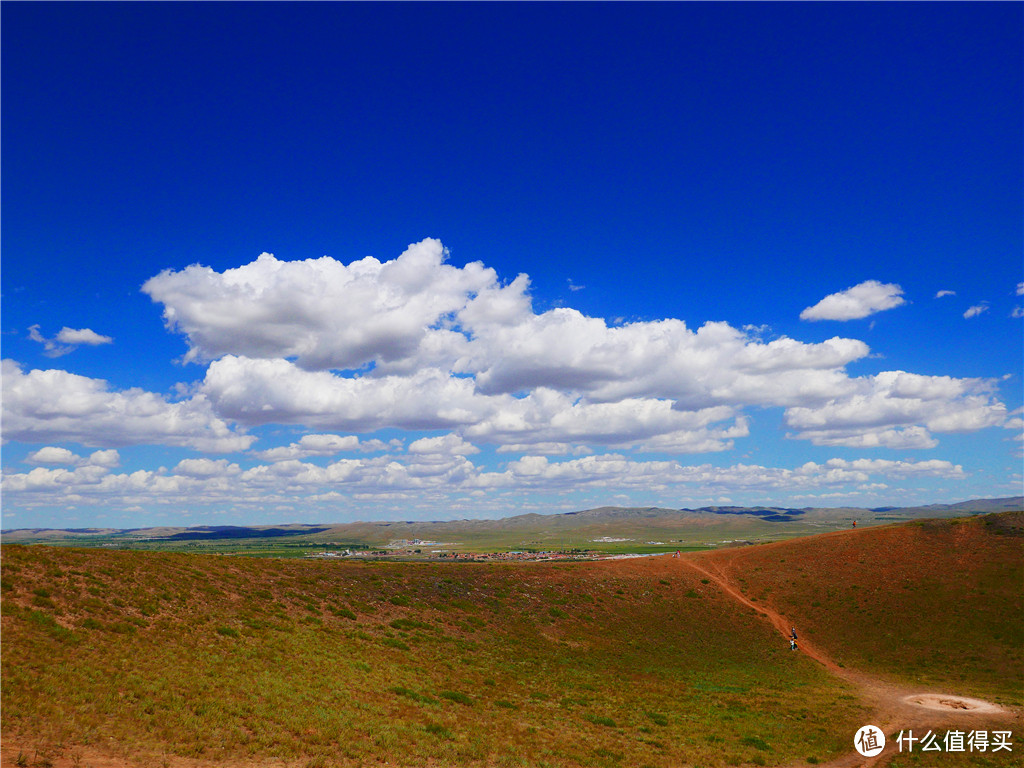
792 643
792 633
676 554
854 523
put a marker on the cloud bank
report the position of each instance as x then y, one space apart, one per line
53 405
435 469
353 353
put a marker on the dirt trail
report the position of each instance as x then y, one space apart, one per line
716 575
893 707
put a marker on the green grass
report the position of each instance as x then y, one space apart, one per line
458 697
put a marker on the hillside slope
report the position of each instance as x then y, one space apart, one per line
115 658
125 656
935 602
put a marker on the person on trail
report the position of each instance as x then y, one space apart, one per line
792 633
792 643
676 554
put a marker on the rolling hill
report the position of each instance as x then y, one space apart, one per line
126 657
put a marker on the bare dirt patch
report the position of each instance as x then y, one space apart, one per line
945 703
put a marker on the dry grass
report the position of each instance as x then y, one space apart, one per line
173 657
938 603
185 660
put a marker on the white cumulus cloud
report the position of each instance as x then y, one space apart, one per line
53 455
109 458
54 405
203 468
67 340
323 313
438 471
311 445
63 457
417 312
976 310
886 405
418 344
856 302
277 391
450 444
566 350
343 351
79 336
897 438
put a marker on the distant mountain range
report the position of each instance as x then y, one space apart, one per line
639 521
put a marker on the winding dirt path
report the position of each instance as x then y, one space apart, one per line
893 707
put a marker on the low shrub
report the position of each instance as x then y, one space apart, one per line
456 696
408 624
411 694
657 718
438 730
756 742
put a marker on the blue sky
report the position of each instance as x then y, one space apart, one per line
526 257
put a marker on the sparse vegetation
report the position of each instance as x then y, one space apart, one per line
220 659
658 718
934 602
457 696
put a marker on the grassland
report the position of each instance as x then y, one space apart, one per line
178 659
172 656
936 602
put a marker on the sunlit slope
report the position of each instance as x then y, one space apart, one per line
937 602
629 662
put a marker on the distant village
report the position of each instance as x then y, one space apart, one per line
420 549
